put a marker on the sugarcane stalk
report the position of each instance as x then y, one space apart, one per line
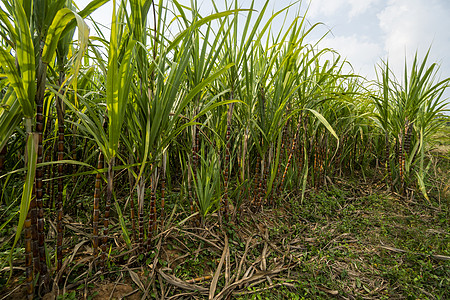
355 154
256 182
132 209
318 157
59 200
408 134
133 214
32 263
28 257
133 218
319 161
97 191
109 195
245 170
266 174
407 145
197 149
261 184
300 158
281 156
154 187
74 153
141 194
244 163
225 176
59 205
190 194
322 157
257 200
48 157
195 156
339 154
326 160
39 99
305 142
388 166
152 217
227 160
400 161
51 171
34 234
316 163
291 152
163 187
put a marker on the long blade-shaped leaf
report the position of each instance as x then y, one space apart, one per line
16 81
32 146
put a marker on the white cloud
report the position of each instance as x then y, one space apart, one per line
325 7
411 25
362 53
359 7
331 7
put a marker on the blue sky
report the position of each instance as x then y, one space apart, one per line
363 31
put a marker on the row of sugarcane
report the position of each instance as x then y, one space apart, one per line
215 104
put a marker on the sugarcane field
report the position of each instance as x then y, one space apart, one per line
219 150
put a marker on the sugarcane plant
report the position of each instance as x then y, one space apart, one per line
409 114
34 30
207 182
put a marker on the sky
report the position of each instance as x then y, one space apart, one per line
365 32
